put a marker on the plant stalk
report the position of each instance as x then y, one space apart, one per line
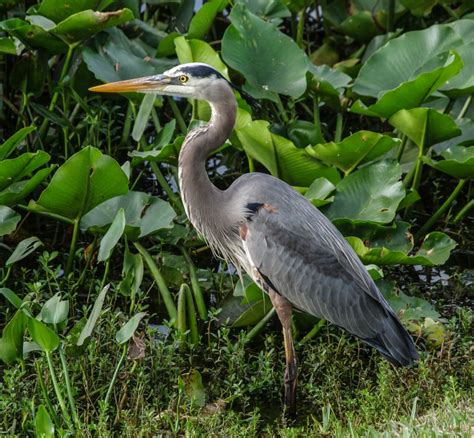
160 281
300 28
72 250
114 377
432 220
72 403
54 99
260 325
179 117
338 133
192 322
166 187
313 332
463 211
62 404
196 287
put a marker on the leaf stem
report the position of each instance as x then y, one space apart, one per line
431 221
54 99
316 115
300 28
160 282
72 403
72 250
58 391
313 332
401 149
339 122
464 107
391 16
281 109
192 322
166 187
260 325
179 117
463 211
196 287
114 377
46 395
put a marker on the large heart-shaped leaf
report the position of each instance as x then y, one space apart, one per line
405 58
458 162
59 10
33 36
425 126
86 23
270 61
121 58
8 220
144 214
359 148
281 157
465 139
413 93
372 193
328 83
84 181
435 250
202 20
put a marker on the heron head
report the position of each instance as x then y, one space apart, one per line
195 80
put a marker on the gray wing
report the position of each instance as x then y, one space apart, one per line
299 253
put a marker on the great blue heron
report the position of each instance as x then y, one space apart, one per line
264 227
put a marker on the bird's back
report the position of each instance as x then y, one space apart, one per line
299 253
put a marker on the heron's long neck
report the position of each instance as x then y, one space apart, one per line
203 201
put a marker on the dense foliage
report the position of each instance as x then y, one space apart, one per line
115 316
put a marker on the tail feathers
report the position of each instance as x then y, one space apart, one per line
394 343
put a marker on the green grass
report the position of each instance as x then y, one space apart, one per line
345 388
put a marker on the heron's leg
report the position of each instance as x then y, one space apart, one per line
283 309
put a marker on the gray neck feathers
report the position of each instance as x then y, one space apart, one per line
204 202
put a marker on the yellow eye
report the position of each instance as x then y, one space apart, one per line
183 79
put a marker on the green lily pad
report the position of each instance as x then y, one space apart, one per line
7 45
361 147
419 8
425 126
395 237
318 192
84 181
33 36
82 25
144 214
328 83
8 220
270 61
435 250
120 58
59 10
465 139
17 177
281 157
413 93
204 17
405 58
372 193
458 162
267 9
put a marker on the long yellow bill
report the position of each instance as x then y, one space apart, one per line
148 83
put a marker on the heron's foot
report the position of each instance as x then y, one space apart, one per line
291 374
